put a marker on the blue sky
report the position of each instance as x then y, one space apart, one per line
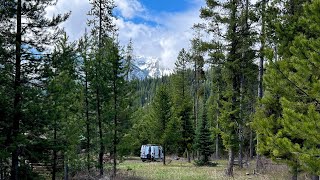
167 5
158 28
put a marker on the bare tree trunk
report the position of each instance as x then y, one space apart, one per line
115 128
229 170
294 173
17 98
217 121
1 169
101 153
66 170
240 125
260 88
87 120
100 137
54 166
217 144
251 145
164 154
188 156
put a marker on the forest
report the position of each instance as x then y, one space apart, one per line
247 88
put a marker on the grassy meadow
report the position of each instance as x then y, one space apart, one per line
182 170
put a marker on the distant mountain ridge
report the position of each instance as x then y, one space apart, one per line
147 67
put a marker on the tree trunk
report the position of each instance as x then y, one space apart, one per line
217 119
260 88
164 154
188 156
54 165
240 154
1 169
98 94
251 145
115 126
229 170
87 119
242 121
66 170
17 98
294 173
100 138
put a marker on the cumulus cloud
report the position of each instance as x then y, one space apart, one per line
77 22
161 35
164 40
129 8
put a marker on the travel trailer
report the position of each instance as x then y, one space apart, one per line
151 152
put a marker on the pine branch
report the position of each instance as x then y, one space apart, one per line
294 84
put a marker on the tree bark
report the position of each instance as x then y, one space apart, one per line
251 145
294 173
101 152
217 119
87 116
188 156
164 154
229 170
115 125
54 166
1 169
260 88
66 170
17 98
240 125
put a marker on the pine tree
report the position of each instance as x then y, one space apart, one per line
182 101
36 27
214 104
161 108
64 98
103 28
203 141
118 94
291 128
84 49
239 57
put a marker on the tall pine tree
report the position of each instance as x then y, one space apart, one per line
28 29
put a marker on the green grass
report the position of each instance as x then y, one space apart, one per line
181 170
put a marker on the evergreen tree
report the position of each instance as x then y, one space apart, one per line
182 101
286 120
64 98
31 35
118 95
214 105
161 108
203 141
103 28
84 49
239 57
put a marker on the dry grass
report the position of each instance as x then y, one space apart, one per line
181 170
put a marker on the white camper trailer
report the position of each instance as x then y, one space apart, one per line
151 152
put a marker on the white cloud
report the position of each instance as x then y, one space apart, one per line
129 8
167 34
77 22
165 40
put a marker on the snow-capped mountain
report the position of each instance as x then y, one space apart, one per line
147 67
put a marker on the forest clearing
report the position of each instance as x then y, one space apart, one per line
86 83
133 169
